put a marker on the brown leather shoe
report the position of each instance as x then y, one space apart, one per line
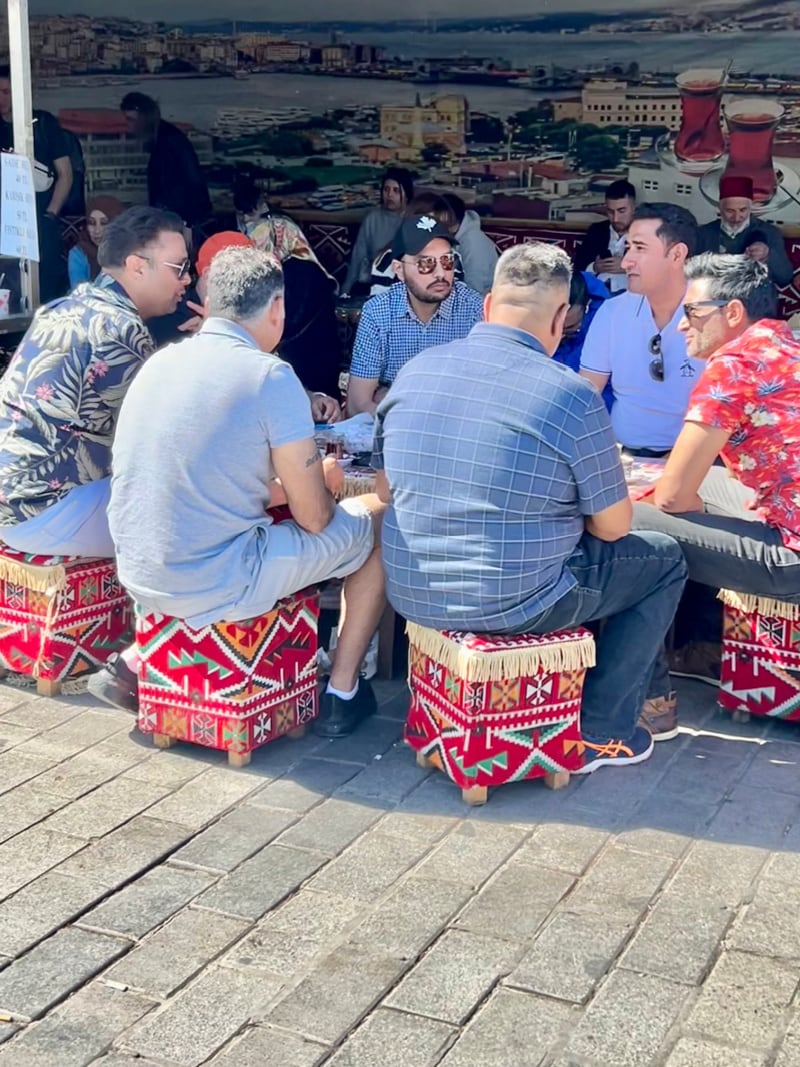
699 659
659 715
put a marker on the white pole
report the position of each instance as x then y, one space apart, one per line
19 47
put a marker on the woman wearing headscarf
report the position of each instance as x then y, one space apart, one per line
82 262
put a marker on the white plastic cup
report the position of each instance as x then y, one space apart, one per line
5 303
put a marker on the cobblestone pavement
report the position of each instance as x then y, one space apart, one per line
333 903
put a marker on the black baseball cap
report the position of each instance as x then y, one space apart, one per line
415 233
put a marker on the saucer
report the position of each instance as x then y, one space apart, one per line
787 192
665 147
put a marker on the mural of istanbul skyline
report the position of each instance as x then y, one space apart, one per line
674 97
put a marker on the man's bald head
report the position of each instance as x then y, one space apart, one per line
531 291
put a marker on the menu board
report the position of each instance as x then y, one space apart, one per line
19 236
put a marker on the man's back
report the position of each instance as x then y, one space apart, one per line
494 454
174 178
192 466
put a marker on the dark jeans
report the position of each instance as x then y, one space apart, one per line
634 584
728 546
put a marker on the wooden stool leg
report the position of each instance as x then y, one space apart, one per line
48 687
475 796
297 734
162 741
740 715
238 759
557 780
423 761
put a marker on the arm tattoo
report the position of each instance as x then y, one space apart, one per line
316 458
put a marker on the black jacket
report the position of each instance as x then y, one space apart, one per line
780 268
174 179
594 244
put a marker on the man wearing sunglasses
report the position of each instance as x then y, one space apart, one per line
428 308
739 529
634 342
61 396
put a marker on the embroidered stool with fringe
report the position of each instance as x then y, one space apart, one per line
233 686
489 710
760 672
61 617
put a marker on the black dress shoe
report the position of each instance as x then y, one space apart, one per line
338 718
116 684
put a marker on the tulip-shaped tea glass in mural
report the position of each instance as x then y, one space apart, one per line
751 131
700 137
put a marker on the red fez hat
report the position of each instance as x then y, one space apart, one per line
217 243
736 186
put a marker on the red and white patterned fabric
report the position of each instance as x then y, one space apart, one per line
504 729
233 686
60 616
760 663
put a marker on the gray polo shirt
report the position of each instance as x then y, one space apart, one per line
494 455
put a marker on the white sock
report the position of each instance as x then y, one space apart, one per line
340 693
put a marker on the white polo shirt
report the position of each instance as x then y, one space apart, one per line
646 413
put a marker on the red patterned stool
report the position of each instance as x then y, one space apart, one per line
489 710
60 616
233 686
760 672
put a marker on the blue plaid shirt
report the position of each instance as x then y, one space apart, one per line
494 455
389 332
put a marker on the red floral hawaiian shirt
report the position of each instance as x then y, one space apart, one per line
751 388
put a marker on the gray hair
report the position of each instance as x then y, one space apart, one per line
736 278
242 283
528 266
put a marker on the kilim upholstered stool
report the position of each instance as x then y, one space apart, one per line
760 672
60 616
233 686
490 710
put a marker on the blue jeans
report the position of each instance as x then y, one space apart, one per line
634 585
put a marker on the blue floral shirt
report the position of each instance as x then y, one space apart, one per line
61 395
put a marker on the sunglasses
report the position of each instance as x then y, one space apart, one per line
181 269
657 362
690 309
427 264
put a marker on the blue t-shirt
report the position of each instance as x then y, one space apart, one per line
494 454
192 465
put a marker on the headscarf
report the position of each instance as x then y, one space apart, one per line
283 238
111 208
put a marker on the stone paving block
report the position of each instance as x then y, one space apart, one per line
562 847
659 826
628 1021
23 708
623 874
127 851
234 838
718 869
205 797
435 795
305 785
82 773
367 869
105 809
572 953
52 970
515 903
274 951
392 1039
775 767
25 806
148 902
692 1053
15 769
173 768
430 828
769 926
705 772
472 853
680 937
365 744
30 854
388 779
744 1000
80 732
78 1030
754 817
331 826
12 734
338 992
454 976
261 882
262 1046
177 952
511 1028
411 916
43 906
202 1018
320 916
789 1051
120 1059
